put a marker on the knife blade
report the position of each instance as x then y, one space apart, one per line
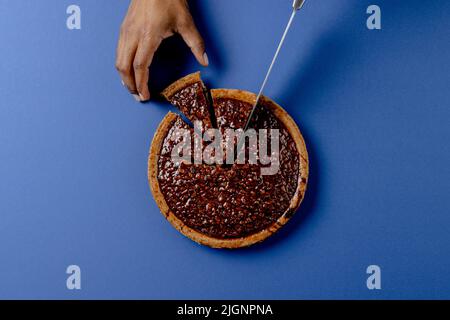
297 5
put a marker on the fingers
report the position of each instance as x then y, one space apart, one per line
142 33
126 50
194 40
133 60
142 61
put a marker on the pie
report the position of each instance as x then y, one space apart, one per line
226 206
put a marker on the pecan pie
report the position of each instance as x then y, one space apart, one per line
226 206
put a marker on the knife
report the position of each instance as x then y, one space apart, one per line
297 5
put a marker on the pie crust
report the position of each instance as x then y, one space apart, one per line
244 96
181 84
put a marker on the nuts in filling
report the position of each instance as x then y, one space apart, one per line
191 101
232 201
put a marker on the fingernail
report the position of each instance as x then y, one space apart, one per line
123 83
141 97
205 59
136 97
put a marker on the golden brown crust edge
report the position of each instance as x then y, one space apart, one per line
241 95
198 237
181 84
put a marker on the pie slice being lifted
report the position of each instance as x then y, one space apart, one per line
188 95
226 206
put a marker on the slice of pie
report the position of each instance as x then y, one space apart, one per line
188 95
229 206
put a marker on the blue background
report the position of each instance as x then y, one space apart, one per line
373 106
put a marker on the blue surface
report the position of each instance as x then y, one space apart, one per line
373 106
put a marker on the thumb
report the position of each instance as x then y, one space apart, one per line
194 40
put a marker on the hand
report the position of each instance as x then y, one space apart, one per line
147 23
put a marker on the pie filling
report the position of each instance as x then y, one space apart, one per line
231 113
234 201
192 102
